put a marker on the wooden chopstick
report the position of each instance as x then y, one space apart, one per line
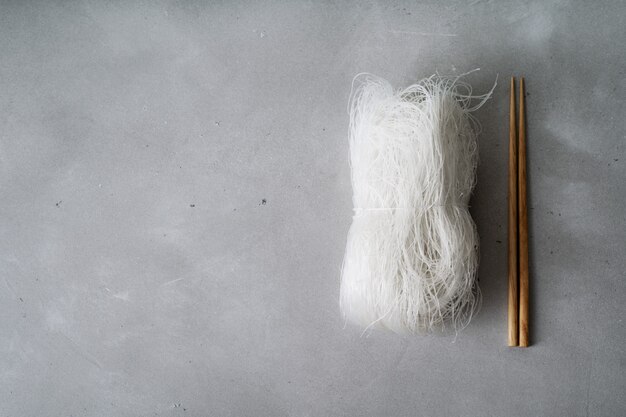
523 221
512 225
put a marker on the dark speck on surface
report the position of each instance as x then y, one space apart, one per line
59 203
498 241
263 202
192 205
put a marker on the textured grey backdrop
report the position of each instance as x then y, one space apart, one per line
175 198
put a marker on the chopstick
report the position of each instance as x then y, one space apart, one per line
518 313
523 222
513 297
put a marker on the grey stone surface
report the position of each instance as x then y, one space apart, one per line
175 198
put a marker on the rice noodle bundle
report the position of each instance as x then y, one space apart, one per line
412 250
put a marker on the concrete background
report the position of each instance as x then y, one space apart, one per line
175 198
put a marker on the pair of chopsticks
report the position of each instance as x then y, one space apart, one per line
518 223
